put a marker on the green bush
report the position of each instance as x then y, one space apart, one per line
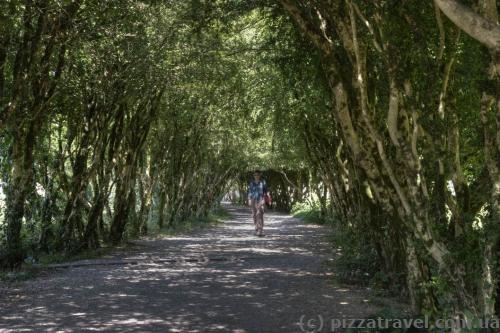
310 212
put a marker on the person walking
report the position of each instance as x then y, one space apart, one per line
257 190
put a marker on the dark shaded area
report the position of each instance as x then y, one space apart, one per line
264 285
287 187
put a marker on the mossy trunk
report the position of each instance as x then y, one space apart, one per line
18 188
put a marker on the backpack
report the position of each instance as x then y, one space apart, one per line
267 199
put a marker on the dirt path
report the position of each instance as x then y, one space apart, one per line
221 279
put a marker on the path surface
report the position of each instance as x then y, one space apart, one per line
220 279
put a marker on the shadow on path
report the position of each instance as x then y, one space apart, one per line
221 279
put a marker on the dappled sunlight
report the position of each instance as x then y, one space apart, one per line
127 127
219 280
260 250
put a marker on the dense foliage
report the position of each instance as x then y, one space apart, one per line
119 115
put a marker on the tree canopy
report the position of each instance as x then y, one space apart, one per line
120 116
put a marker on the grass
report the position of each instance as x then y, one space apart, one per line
26 272
310 216
58 258
30 271
190 225
310 213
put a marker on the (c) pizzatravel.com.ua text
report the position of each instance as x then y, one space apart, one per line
318 323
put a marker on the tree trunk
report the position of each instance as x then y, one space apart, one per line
90 239
477 26
161 208
21 183
46 233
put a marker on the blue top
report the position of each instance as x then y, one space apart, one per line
256 190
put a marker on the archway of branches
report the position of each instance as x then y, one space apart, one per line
122 117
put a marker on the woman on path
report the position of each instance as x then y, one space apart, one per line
257 190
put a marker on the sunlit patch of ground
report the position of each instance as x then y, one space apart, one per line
222 279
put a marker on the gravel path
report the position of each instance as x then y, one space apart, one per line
220 279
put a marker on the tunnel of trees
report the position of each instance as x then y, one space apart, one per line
119 115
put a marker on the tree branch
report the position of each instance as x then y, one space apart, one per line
306 26
477 26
